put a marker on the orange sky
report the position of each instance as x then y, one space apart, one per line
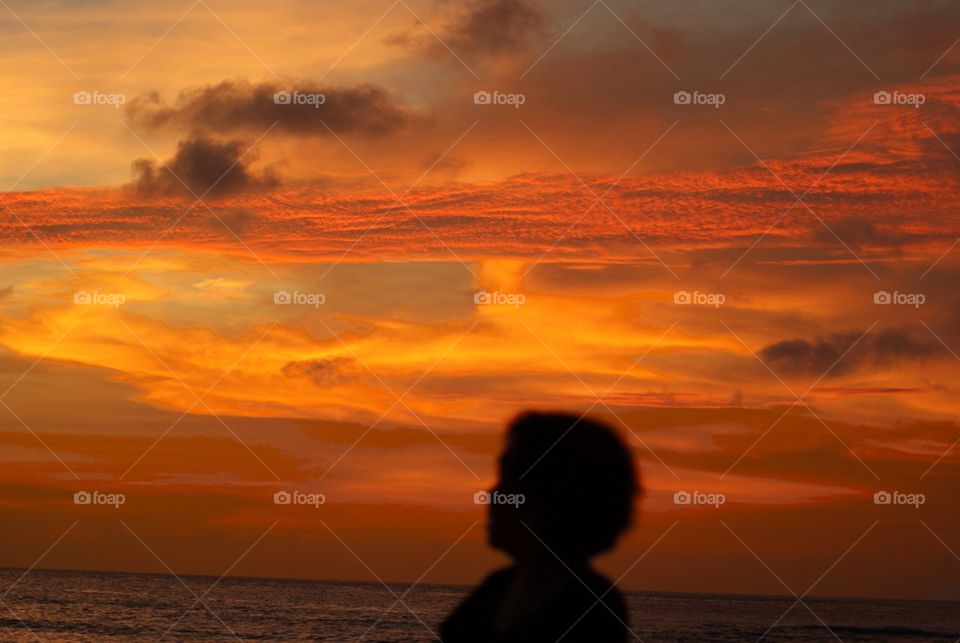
187 204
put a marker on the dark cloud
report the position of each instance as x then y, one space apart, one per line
877 348
233 107
493 26
449 165
6 292
482 28
323 372
201 167
862 234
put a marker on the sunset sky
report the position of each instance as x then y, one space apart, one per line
710 279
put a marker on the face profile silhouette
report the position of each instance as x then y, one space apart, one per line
566 492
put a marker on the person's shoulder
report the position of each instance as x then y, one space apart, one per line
603 611
492 584
600 584
475 614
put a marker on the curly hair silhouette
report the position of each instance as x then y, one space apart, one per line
566 493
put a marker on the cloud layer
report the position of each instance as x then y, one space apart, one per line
302 108
201 167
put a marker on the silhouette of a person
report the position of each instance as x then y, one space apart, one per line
577 483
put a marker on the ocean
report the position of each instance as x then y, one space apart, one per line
83 606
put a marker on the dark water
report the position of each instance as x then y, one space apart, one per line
82 606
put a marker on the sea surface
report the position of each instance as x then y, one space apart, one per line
83 606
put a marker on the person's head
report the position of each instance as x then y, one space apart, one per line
578 485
